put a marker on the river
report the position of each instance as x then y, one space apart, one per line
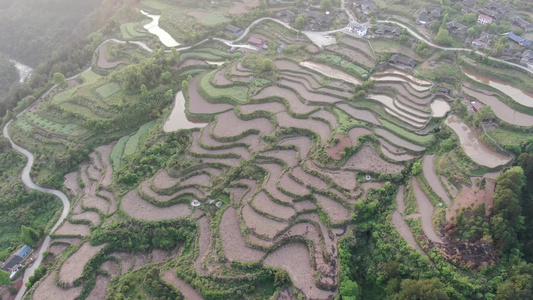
177 119
153 28
24 70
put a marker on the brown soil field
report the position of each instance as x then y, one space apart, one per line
311 81
96 202
56 249
319 127
336 212
295 104
102 59
261 225
413 102
111 266
472 196
353 55
214 172
393 149
105 152
72 83
228 125
311 97
220 79
197 214
141 259
284 64
335 151
264 204
200 179
94 173
295 79
237 193
188 292
425 207
95 160
197 148
359 114
47 289
145 187
294 259
232 241
231 162
252 185
366 186
193 62
71 182
303 143
92 216
393 155
356 132
400 203
403 229
368 159
72 268
69 240
138 208
109 195
330 243
126 261
73 229
428 168
259 241
407 91
304 205
275 171
394 139
450 187
345 179
308 179
326 115
99 290
238 70
355 43
163 181
204 240
289 184
198 105
288 156
273 107
159 255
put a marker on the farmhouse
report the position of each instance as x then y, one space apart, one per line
527 58
388 30
483 40
233 30
469 3
456 28
317 21
286 15
366 6
476 106
518 39
497 7
428 14
15 259
256 42
522 24
484 19
397 59
493 14
359 29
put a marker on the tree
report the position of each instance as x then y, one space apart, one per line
4 277
326 5
416 168
300 21
281 277
59 79
484 113
421 290
443 37
349 290
515 288
469 19
28 235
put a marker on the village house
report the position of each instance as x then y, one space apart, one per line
286 15
476 106
518 39
400 60
12 264
232 30
366 7
256 42
388 30
358 29
429 14
317 21
521 23
483 40
456 28
469 4
497 7
484 19
527 58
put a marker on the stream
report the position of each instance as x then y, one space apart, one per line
24 70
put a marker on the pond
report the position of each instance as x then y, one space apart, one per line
518 95
473 147
153 28
177 119
439 107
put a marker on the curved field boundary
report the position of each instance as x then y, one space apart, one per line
367 159
360 45
394 153
360 114
405 232
189 292
395 140
331 72
391 108
138 208
132 145
428 168
236 94
233 242
299 88
195 103
425 207
286 95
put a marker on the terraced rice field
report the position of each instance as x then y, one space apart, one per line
72 268
367 159
360 114
138 208
198 105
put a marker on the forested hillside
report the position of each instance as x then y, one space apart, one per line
8 75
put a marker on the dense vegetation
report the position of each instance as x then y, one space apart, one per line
8 75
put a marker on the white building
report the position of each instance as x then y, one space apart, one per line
484 19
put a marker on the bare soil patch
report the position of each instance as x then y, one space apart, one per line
198 105
263 203
319 127
275 171
403 229
196 148
302 142
103 62
111 198
359 114
228 125
295 104
284 64
425 207
105 152
472 196
366 186
187 291
110 266
368 159
290 185
359 44
56 249
219 79
304 205
294 259
72 268
126 261
159 255
99 290
356 132
204 240
336 212
95 160
201 179
73 229
236 194
389 136
96 202
94 173
261 225
273 107
71 183
288 156
48 289
345 179
193 62
138 208
307 95
326 115
308 179
428 167
92 216
335 151
163 181
232 241
141 259
400 203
